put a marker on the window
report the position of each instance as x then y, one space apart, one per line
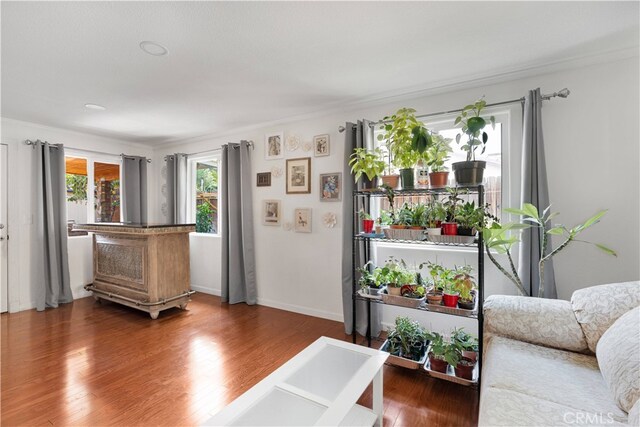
492 155
93 190
203 209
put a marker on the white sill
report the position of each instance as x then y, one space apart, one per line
206 235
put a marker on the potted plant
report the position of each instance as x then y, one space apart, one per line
436 155
469 218
466 287
441 353
417 216
384 220
434 215
451 294
467 343
453 199
440 277
406 139
368 165
407 339
470 172
397 276
367 222
403 217
369 281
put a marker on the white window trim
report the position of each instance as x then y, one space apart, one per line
91 159
191 186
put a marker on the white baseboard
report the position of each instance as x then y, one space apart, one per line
338 317
205 290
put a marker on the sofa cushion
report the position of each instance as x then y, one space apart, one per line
563 378
551 323
501 407
634 414
618 355
597 307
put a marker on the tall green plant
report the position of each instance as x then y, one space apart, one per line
367 163
438 153
500 239
405 137
77 187
472 126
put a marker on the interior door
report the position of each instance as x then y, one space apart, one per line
3 228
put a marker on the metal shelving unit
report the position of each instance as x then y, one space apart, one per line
362 198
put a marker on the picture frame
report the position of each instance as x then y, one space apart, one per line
274 146
331 187
321 145
263 179
302 220
271 212
299 176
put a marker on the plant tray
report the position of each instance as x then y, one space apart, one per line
402 301
451 310
450 375
451 239
401 361
364 294
403 234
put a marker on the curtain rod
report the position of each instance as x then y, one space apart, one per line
249 144
562 93
33 143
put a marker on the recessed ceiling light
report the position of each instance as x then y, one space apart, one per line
153 48
95 107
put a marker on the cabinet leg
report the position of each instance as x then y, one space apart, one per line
183 306
154 314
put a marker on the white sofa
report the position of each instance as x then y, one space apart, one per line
555 362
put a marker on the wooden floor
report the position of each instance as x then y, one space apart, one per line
92 364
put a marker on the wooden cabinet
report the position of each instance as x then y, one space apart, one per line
143 266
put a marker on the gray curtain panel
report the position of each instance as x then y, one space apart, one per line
53 258
177 188
356 135
535 190
133 190
236 226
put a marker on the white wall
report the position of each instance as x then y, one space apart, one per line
24 276
592 155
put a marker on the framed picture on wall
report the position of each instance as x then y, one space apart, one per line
331 187
321 145
274 146
302 220
271 212
263 179
299 176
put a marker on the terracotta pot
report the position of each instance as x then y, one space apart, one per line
449 228
392 290
437 365
397 227
438 179
434 298
471 355
367 226
415 227
450 300
391 180
464 369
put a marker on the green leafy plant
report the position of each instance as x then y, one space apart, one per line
434 213
407 338
469 216
441 277
440 349
500 239
397 273
76 187
204 221
464 340
438 153
452 201
404 216
418 215
472 127
463 283
363 214
405 137
367 163
385 218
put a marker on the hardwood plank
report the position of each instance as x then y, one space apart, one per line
87 363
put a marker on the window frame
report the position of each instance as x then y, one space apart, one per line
91 159
192 162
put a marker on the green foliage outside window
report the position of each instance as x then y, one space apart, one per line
207 180
76 188
204 218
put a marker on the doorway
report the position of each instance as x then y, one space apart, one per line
4 236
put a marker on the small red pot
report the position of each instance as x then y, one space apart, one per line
449 228
367 226
450 300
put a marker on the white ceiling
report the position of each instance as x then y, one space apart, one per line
235 64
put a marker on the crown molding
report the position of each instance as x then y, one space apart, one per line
445 86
